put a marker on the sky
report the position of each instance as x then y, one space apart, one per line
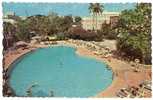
75 9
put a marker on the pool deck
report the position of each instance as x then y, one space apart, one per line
124 75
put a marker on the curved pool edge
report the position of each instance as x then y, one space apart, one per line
77 51
85 52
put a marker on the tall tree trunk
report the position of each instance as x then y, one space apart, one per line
143 58
96 22
93 21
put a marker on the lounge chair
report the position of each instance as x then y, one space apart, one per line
124 93
134 91
141 93
131 92
121 95
147 85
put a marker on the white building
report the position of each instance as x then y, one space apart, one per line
88 23
9 21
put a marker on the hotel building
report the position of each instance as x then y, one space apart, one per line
106 17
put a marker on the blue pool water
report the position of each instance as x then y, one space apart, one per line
61 70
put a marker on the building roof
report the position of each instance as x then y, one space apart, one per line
104 13
9 21
116 13
9 13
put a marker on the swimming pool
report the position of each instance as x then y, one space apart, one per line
60 72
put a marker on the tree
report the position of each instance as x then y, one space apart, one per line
22 33
43 25
53 23
64 23
50 24
78 20
9 34
135 32
107 31
95 9
79 33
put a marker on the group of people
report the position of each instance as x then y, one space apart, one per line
30 94
133 92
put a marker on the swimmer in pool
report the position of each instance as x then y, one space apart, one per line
51 93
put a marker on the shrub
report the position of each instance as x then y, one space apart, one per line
79 33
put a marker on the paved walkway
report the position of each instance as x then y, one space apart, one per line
124 75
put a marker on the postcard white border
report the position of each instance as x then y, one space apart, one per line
76 1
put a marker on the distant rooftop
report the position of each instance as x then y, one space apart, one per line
9 21
8 13
104 14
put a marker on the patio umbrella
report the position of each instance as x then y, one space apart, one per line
21 44
36 37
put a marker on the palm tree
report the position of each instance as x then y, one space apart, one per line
96 9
